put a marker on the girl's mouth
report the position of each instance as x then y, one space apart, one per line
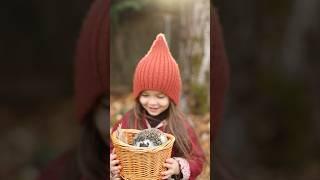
153 109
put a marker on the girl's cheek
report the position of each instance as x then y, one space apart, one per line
164 102
143 100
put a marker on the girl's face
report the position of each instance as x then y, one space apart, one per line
154 102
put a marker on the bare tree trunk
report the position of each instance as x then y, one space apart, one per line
195 42
205 64
183 56
167 27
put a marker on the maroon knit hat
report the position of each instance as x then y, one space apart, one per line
219 70
92 59
158 70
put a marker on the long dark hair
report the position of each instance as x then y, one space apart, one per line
89 157
92 157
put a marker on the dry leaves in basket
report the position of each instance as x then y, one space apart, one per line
120 134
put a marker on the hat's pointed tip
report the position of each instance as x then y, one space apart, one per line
160 40
160 43
161 36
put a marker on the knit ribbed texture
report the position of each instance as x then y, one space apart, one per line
158 70
92 60
220 72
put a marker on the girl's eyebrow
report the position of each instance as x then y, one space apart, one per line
156 93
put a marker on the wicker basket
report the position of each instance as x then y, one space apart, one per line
141 163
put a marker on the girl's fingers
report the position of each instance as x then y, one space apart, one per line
116 172
113 157
164 173
116 177
113 154
170 161
167 165
166 177
118 167
115 168
114 162
167 174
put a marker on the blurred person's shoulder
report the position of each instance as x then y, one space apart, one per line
60 167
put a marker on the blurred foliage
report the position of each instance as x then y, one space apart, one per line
124 6
271 118
199 101
196 63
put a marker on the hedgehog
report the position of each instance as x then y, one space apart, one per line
149 138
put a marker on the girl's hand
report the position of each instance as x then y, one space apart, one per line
114 166
115 177
173 168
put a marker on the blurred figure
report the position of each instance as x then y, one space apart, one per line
220 79
88 159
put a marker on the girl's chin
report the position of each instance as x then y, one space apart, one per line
153 113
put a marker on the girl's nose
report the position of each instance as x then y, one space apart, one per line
152 101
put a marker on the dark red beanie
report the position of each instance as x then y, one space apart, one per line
92 59
219 70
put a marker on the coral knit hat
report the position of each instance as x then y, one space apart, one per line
158 70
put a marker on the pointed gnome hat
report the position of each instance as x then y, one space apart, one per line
158 70
92 60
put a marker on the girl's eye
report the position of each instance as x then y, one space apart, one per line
161 97
144 95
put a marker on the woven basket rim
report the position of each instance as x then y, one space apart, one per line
136 149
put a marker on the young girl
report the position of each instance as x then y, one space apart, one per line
156 89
